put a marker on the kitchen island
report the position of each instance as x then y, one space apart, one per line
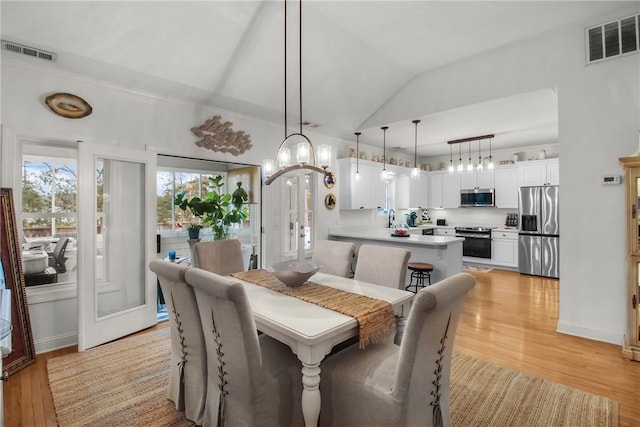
444 252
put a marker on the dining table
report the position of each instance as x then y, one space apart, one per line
311 331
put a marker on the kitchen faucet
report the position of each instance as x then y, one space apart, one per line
392 216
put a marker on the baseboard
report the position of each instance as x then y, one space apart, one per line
592 334
57 342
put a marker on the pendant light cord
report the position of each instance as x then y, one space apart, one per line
286 132
300 68
384 147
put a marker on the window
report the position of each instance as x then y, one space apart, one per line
48 212
298 222
613 39
169 182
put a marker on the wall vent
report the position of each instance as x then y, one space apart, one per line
28 50
613 39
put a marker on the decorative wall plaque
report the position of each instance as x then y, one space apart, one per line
220 137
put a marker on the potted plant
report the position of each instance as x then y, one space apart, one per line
217 209
194 230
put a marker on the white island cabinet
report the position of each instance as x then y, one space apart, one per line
444 252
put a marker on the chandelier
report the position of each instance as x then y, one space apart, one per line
305 156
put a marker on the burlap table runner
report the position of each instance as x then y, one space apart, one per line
375 317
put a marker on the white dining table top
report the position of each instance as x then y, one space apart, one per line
308 322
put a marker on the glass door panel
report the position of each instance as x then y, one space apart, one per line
120 242
116 292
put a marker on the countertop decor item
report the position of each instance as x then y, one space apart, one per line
220 137
68 105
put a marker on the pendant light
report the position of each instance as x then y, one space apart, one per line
451 169
305 154
469 165
490 165
479 157
415 173
460 167
384 175
357 134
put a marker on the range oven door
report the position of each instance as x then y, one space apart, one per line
478 246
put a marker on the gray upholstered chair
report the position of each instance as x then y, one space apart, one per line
382 265
188 369
222 257
387 385
334 257
251 381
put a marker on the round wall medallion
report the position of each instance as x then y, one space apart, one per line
330 201
329 180
68 105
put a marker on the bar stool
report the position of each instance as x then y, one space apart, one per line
419 271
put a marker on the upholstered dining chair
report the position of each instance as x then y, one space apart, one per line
406 385
188 369
382 265
251 380
334 257
222 257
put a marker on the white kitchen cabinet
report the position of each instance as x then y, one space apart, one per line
445 190
450 190
445 231
367 192
539 172
419 191
506 185
475 179
504 248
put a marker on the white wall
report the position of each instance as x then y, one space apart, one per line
599 118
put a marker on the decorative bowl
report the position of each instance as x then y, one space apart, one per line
294 273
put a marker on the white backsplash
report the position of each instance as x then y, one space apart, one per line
455 217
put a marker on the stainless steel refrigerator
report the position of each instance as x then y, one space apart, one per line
539 231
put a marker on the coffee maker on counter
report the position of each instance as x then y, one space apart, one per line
411 218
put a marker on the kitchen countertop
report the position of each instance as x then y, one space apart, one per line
384 234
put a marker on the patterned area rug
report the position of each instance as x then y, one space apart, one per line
125 384
478 269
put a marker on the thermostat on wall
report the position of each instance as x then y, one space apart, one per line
611 179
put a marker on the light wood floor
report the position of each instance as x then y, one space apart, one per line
508 319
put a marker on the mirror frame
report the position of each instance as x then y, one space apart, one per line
23 348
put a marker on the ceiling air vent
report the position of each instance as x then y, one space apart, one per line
613 39
28 50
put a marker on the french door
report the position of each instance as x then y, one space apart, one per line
116 292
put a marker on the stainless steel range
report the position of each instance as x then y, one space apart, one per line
477 241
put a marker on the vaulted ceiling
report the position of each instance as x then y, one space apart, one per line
356 54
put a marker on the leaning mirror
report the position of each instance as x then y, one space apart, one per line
23 349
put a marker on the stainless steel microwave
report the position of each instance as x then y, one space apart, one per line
478 197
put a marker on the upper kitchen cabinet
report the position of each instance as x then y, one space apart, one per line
539 172
477 179
444 190
506 185
367 192
419 191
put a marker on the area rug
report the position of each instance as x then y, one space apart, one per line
124 384
477 269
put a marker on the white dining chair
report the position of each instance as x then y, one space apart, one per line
382 265
188 369
251 381
219 256
334 257
400 386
